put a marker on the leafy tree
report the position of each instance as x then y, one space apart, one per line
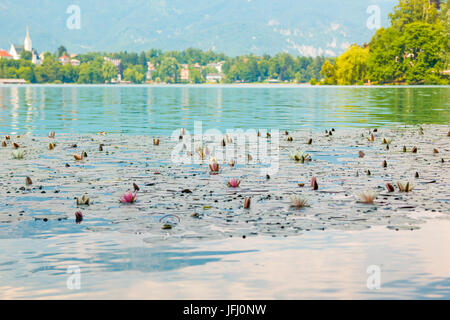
135 74
26 55
142 60
445 20
195 76
351 67
61 51
109 71
423 45
69 73
91 72
408 11
49 71
329 72
385 54
169 70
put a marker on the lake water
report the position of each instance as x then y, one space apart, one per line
160 110
35 257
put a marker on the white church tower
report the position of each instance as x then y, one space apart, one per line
27 46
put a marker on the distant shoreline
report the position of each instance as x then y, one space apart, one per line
221 85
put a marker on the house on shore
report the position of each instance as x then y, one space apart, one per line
64 59
214 77
184 72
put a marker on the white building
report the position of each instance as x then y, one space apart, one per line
214 77
217 65
15 50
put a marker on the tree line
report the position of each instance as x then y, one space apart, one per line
167 67
413 50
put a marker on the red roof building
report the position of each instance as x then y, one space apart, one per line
5 55
64 59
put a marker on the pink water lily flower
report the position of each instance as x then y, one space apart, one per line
129 197
234 183
214 166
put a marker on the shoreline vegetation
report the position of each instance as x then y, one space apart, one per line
414 50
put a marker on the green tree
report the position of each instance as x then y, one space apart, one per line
445 20
69 73
385 56
26 73
169 70
351 67
109 71
135 74
49 71
61 51
408 11
142 60
195 76
328 72
26 55
91 72
424 45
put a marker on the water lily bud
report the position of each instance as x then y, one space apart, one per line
78 217
390 187
247 203
314 183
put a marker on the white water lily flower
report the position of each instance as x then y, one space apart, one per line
18 154
368 196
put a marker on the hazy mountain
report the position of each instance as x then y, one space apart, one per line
231 26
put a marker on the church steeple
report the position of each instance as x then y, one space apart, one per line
27 43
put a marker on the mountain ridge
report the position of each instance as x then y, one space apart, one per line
234 27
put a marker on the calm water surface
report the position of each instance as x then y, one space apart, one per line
329 264
160 110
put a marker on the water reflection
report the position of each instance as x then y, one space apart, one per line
160 110
414 264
